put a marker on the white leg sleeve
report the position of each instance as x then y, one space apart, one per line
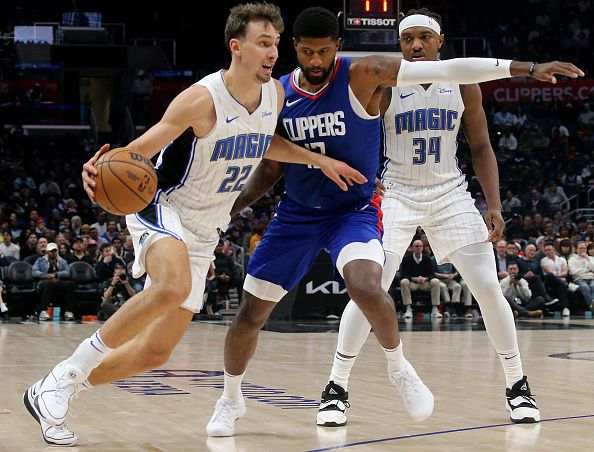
477 266
354 326
457 70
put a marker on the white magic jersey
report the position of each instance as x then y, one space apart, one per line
200 178
420 131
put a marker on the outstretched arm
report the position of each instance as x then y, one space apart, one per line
267 173
380 71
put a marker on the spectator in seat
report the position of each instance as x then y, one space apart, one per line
118 291
517 293
112 231
40 250
417 274
30 246
100 225
480 203
555 196
501 258
581 270
118 248
555 271
106 263
514 229
257 235
225 273
449 280
537 204
529 230
531 271
511 203
7 248
78 253
54 286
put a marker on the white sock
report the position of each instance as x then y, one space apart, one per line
396 359
233 386
89 354
3 307
512 366
341 370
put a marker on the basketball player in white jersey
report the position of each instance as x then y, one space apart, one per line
425 187
211 136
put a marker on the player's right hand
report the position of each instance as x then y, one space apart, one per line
340 172
89 172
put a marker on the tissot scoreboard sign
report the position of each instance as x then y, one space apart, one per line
370 15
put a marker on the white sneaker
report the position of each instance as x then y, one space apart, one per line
417 397
68 316
227 411
43 315
55 435
408 314
566 312
435 313
55 392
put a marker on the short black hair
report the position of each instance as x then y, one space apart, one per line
426 12
316 22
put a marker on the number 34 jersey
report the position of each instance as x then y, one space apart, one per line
420 129
200 178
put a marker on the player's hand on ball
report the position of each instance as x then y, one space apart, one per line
495 224
89 172
545 72
340 172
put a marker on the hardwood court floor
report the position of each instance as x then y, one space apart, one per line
167 409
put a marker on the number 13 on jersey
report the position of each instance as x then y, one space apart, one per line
421 149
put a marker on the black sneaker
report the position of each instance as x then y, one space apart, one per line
332 406
520 403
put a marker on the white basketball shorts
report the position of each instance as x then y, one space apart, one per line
157 222
446 212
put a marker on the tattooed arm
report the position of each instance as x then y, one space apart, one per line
267 173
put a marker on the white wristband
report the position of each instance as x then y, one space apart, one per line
457 70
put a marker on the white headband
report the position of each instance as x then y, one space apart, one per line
419 20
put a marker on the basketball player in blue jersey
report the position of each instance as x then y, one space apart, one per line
332 106
425 187
211 136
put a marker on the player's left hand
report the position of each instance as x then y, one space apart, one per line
545 72
340 172
495 224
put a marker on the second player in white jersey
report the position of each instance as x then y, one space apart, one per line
424 187
424 184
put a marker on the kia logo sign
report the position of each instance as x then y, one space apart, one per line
327 288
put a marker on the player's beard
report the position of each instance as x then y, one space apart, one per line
319 79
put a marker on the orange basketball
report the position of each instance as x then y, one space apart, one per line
126 181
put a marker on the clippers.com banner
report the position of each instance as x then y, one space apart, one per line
511 92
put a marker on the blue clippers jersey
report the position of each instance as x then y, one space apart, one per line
326 122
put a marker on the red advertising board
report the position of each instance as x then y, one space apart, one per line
511 92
